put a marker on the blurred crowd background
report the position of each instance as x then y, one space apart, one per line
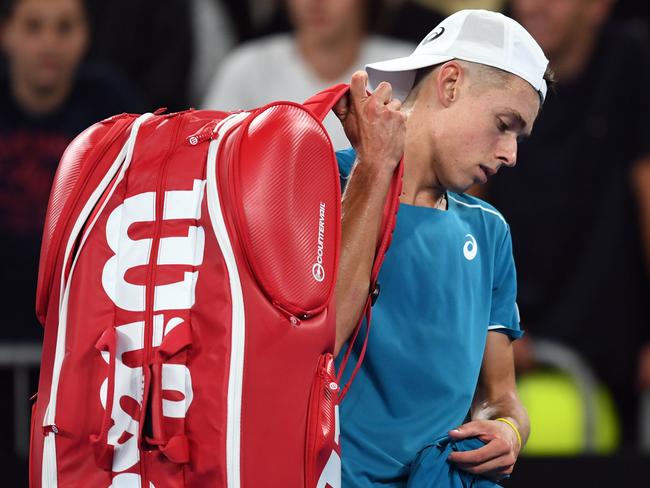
578 202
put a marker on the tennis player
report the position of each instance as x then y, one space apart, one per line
435 402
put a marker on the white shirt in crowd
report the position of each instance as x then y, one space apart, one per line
271 69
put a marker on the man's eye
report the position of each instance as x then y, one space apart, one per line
501 125
33 25
65 27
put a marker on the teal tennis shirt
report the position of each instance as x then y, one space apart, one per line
448 278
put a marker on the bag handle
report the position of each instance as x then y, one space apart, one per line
320 105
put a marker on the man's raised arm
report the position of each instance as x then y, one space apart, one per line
376 128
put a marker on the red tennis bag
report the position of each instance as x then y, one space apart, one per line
186 288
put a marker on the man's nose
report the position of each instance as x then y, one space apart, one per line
507 152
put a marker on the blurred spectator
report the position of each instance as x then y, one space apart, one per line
329 43
45 101
579 201
214 36
150 42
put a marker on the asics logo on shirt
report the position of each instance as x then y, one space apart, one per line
470 248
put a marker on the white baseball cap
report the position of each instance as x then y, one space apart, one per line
479 36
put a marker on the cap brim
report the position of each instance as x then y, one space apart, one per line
400 72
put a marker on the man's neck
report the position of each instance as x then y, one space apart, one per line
433 196
420 185
331 58
39 102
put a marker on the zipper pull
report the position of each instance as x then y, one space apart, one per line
201 135
207 132
295 321
50 428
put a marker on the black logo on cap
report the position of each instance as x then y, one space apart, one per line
433 35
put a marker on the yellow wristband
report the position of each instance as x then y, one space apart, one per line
514 427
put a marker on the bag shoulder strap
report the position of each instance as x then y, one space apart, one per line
383 243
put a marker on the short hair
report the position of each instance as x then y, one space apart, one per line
488 75
550 79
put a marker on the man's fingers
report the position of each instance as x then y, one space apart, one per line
342 107
495 463
470 429
480 455
358 85
382 96
383 93
494 460
394 104
373 123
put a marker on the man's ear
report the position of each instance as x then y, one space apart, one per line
448 82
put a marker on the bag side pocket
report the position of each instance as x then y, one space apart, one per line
322 451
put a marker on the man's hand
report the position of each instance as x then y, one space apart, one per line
373 123
377 129
496 459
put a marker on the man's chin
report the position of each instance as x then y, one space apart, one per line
45 86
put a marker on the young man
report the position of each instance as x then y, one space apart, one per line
446 315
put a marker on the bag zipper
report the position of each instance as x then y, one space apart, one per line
150 291
238 329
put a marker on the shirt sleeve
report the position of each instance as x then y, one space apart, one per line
504 315
345 160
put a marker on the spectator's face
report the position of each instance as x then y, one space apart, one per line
557 24
327 20
471 137
44 41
